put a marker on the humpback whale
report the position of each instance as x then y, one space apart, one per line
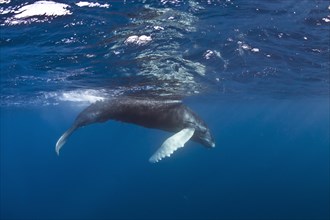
168 115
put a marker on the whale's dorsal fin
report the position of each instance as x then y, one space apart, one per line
172 143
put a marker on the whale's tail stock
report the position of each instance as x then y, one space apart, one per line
88 116
62 140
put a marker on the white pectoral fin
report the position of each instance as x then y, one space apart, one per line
172 144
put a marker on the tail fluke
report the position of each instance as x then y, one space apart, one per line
62 140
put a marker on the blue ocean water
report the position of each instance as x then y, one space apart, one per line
257 72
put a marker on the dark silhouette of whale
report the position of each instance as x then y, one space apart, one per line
168 115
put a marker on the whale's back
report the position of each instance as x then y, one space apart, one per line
160 114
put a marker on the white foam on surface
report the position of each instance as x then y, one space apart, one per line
158 28
138 40
89 96
256 50
327 19
4 1
24 14
212 54
4 11
246 46
46 8
208 54
243 46
170 1
92 4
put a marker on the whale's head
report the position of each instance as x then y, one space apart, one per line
202 133
203 136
